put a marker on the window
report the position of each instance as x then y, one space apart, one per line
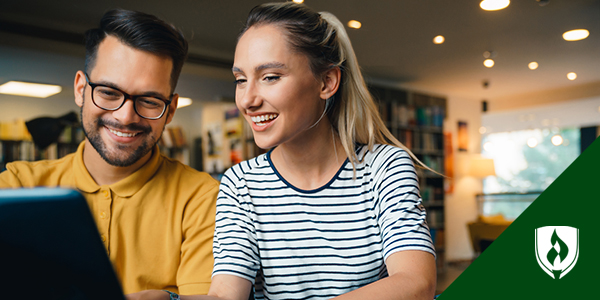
526 161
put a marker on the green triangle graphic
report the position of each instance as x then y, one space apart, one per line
508 269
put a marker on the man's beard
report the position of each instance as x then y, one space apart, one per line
92 133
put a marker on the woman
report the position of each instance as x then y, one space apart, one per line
331 210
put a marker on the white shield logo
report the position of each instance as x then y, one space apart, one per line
557 249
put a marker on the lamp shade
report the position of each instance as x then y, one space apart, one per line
482 167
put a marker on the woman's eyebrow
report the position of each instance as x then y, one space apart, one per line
271 65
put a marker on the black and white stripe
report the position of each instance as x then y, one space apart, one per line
320 243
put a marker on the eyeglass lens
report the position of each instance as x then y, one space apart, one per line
146 106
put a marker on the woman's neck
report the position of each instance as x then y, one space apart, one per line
311 161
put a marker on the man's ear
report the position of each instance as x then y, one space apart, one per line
79 86
172 108
331 82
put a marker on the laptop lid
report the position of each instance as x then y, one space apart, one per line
50 247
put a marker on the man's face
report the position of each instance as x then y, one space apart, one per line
122 137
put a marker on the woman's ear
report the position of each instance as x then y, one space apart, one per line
331 82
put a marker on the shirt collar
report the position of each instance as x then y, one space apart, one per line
126 187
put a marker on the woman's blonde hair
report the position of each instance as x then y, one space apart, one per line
323 39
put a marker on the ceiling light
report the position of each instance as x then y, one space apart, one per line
298 1
29 89
576 35
557 140
439 39
488 62
183 102
533 65
488 146
572 75
491 5
482 129
532 142
354 24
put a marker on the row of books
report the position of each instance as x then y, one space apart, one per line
438 237
26 150
432 194
435 218
425 141
400 114
71 134
173 137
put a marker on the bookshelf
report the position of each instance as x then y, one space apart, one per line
416 120
174 144
20 146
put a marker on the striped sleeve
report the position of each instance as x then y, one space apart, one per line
401 214
235 248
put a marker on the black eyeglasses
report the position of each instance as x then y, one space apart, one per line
110 98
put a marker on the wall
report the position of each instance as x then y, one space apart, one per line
58 68
460 204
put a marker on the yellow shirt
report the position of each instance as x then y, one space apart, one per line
157 224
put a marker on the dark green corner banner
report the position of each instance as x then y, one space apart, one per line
552 251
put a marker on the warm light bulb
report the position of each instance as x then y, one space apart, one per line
488 62
572 75
576 35
438 39
532 142
183 102
354 24
533 65
491 5
557 140
298 1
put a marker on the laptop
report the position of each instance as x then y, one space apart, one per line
50 248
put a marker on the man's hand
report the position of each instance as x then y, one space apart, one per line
148 295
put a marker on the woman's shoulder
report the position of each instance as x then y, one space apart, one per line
254 166
382 154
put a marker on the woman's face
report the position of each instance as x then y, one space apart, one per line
276 90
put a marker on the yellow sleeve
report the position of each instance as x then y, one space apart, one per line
9 178
195 268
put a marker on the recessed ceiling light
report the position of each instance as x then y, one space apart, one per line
298 1
533 65
183 102
491 5
532 142
488 62
354 24
29 89
572 75
557 140
576 35
439 39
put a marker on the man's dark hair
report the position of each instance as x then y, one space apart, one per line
141 31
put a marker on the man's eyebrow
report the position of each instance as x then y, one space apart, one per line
148 93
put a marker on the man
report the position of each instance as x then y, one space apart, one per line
155 215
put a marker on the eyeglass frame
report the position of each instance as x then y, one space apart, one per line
127 96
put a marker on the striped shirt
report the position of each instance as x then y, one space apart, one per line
318 244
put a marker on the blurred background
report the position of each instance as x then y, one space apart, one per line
501 101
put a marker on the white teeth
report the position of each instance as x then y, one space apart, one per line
259 119
122 134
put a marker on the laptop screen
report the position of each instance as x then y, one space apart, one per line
50 247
